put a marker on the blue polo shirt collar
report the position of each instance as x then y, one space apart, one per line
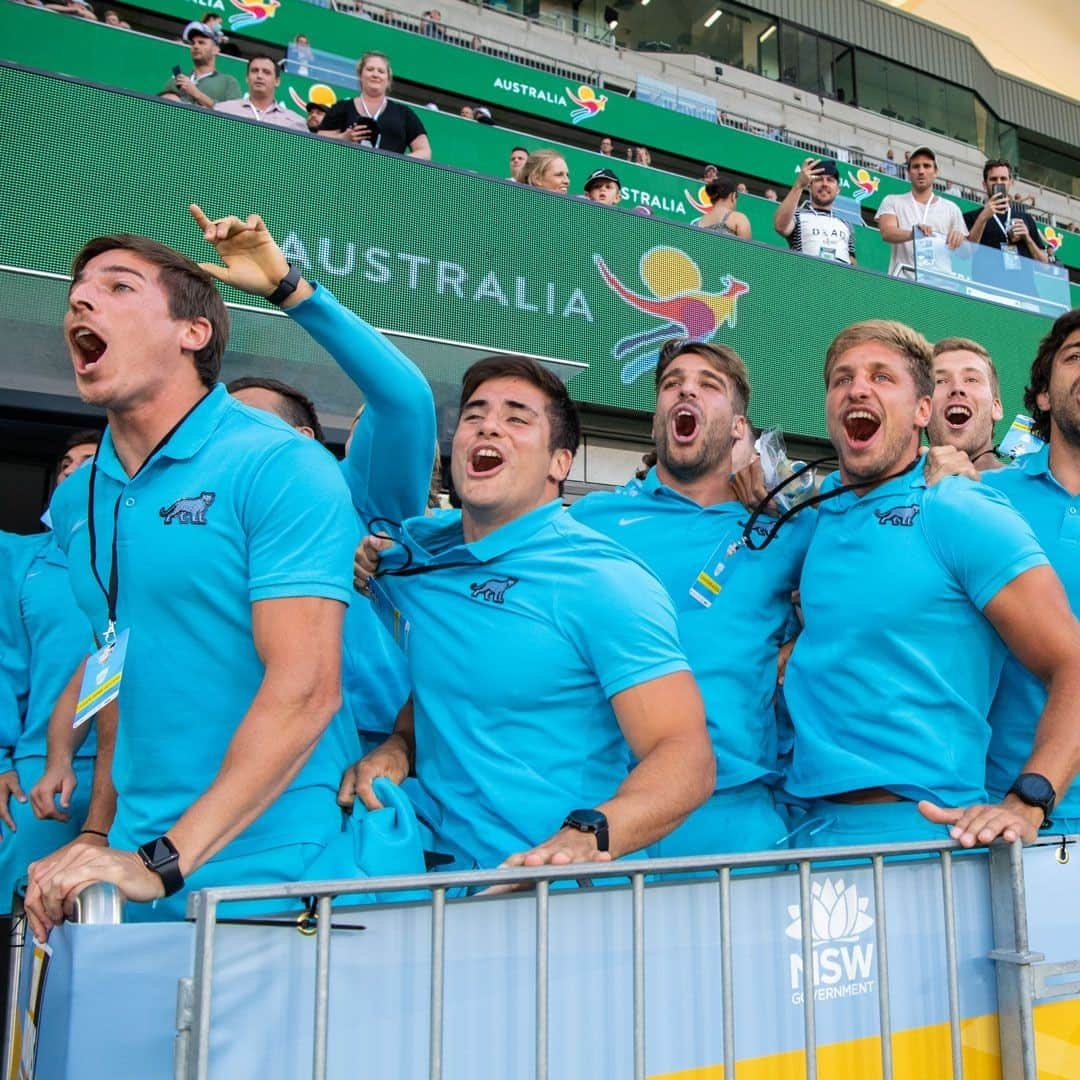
440 538
915 478
186 441
653 485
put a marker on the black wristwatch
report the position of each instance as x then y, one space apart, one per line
589 821
1034 789
286 286
163 859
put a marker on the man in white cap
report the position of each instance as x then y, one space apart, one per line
205 85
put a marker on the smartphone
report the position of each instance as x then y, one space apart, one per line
177 71
998 189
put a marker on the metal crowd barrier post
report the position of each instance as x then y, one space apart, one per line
1022 979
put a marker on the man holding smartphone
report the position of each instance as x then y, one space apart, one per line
205 85
1001 223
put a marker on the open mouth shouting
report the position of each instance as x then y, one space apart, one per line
485 460
957 415
860 427
684 424
87 348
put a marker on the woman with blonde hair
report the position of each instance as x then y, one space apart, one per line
546 169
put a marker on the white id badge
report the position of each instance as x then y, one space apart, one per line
827 253
925 255
1010 257
101 679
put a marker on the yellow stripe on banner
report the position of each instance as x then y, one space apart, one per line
709 583
921 1053
104 688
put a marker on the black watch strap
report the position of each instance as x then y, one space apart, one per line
163 859
589 821
286 286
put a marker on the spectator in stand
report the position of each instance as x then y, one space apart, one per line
263 79
740 187
518 156
44 638
113 19
603 187
770 194
921 214
709 174
305 55
81 9
372 119
206 85
1002 223
813 228
607 147
723 217
482 115
546 169
316 114
888 166
466 112
967 401
431 24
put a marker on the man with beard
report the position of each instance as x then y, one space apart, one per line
813 228
905 591
733 604
967 401
1045 488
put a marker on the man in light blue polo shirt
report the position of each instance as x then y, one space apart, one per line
542 654
733 603
1045 489
221 542
43 639
905 590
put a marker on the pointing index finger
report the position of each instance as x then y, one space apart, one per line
201 219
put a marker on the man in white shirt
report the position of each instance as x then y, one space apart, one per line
263 78
920 223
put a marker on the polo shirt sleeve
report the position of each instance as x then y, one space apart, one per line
230 89
68 505
399 411
621 620
300 527
978 537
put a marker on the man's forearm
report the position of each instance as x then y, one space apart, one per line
977 229
63 739
784 218
671 781
102 809
271 745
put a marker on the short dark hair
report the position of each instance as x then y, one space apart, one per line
720 188
191 291
83 437
1039 381
264 56
995 163
561 411
296 408
727 361
519 149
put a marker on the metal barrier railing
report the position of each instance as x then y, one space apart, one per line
1021 979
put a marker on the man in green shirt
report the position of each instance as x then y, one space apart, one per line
205 85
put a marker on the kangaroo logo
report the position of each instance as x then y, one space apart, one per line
897 515
188 511
493 590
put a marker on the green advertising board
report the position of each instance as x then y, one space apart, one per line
424 249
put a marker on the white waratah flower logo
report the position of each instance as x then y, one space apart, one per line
838 913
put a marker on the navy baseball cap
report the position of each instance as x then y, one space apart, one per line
601 176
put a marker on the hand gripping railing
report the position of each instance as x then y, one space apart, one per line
194 1011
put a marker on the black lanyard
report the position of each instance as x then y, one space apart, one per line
814 500
112 590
